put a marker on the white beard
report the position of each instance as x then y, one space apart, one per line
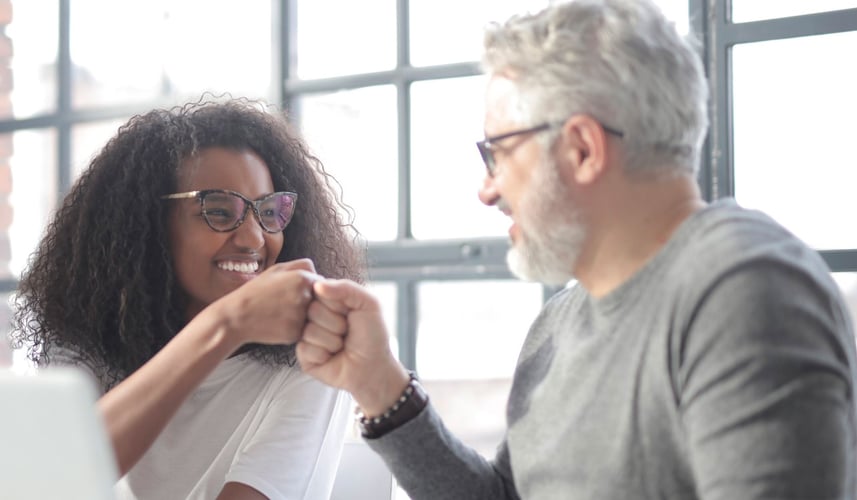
550 231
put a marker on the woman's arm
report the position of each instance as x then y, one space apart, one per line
292 451
270 309
239 491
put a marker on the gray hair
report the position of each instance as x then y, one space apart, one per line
620 61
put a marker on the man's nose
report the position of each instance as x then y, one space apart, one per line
488 193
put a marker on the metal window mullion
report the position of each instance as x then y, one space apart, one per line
720 159
406 73
74 116
403 116
840 260
64 100
278 59
406 299
404 231
697 14
444 273
288 48
406 322
820 23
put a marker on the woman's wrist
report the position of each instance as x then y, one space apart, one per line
217 329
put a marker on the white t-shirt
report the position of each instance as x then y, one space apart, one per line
275 429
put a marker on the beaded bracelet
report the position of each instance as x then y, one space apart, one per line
409 405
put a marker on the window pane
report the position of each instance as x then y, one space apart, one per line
117 61
354 135
6 354
386 295
756 10
33 198
338 38
87 140
676 11
794 104
462 32
461 323
848 284
176 49
446 169
31 39
219 46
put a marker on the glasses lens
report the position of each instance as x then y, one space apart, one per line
222 210
487 157
275 211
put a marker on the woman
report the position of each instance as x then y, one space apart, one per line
178 272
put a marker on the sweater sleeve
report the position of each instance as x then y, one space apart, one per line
765 387
430 463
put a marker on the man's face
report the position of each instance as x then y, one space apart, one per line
210 264
551 231
546 231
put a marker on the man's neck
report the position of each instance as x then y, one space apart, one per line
630 226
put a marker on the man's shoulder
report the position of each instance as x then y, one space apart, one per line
726 242
726 220
725 235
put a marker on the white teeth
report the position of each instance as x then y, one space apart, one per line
241 267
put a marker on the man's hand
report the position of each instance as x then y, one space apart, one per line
345 344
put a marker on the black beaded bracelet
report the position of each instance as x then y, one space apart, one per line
409 405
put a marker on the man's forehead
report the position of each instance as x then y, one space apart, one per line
499 100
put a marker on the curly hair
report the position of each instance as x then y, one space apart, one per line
102 285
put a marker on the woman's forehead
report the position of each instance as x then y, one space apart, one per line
221 168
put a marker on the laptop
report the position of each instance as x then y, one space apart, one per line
54 444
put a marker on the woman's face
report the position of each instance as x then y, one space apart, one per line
210 264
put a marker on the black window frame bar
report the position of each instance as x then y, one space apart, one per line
720 34
63 119
405 262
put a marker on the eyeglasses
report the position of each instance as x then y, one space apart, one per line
488 146
225 210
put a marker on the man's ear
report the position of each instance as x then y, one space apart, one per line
584 148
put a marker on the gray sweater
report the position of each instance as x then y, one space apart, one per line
724 369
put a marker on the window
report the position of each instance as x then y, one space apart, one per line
64 92
396 126
392 110
782 102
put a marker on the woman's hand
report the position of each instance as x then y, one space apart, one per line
271 308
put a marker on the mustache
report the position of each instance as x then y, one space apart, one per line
503 205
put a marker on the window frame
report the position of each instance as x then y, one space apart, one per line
712 20
405 262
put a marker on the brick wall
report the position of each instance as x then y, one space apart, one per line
6 212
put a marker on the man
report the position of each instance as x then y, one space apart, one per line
704 352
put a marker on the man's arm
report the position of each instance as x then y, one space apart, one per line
345 344
766 386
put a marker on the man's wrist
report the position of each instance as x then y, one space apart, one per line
410 402
376 396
